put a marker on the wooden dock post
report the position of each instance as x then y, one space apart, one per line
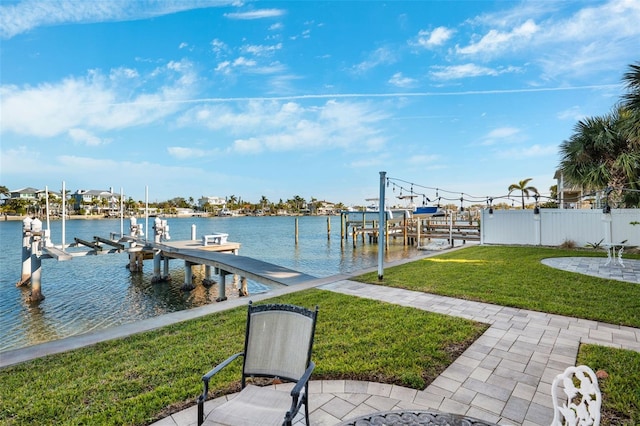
296 231
354 231
328 227
25 276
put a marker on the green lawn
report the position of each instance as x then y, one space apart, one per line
132 381
514 276
621 389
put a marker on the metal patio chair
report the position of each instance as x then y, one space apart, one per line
278 343
581 404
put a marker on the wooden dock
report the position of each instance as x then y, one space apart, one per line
253 269
415 230
224 257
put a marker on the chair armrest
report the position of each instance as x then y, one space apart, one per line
202 398
296 402
220 366
295 392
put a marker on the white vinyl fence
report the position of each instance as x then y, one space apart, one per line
553 227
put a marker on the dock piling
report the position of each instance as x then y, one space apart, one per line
222 288
244 290
36 262
188 277
208 281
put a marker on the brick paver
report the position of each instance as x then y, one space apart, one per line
504 376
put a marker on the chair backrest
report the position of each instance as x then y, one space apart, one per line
580 404
279 340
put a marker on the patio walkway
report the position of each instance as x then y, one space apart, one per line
503 377
597 267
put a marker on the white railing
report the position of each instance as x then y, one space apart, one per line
553 227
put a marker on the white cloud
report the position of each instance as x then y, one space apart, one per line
468 70
502 135
223 67
183 153
399 80
380 56
573 114
431 39
256 14
597 37
532 151
499 41
85 137
244 62
260 50
219 47
503 132
95 102
29 14
123 73
247 146
284 126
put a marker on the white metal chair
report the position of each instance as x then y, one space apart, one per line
581 404
278 343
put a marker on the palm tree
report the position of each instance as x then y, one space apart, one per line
297 203
631 101
264 202
523 188
131 205
232 200
599 155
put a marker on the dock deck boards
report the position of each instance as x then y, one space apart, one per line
221 256
253 269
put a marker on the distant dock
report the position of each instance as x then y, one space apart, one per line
412 229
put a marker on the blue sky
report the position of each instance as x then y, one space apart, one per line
305 98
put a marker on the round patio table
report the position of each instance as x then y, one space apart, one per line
415 418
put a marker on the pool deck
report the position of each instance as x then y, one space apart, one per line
504 377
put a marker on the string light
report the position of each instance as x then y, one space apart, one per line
410 187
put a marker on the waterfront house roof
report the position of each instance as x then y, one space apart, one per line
27 190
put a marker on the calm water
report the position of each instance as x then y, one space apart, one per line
96 292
